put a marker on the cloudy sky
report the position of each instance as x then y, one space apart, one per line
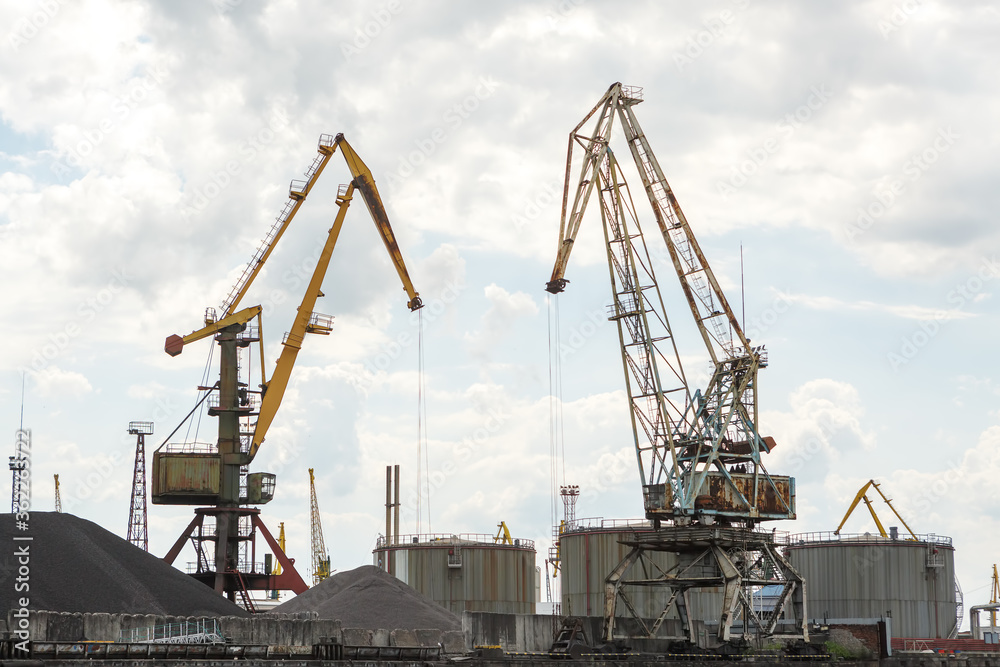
850 151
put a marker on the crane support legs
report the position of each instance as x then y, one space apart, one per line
723 569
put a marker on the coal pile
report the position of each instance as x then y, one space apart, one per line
370 599
77 566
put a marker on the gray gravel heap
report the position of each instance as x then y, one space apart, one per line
77 566
370 599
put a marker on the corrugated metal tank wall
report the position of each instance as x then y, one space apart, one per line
588 555
466 575
868 576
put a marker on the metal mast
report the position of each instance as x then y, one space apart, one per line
320 559
58 499
137 519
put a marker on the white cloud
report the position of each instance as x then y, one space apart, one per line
53 382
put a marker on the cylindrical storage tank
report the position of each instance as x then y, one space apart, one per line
464 572
869 576
588 552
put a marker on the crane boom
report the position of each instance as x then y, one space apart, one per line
684 437
297 193
305 322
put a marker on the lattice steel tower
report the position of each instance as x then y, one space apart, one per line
320 559
58 497
137 523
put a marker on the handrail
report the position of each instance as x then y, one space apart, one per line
449 539
822 537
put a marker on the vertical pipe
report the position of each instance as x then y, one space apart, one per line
388 518
395 518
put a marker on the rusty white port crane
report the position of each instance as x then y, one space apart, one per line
704 484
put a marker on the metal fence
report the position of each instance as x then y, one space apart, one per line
200 631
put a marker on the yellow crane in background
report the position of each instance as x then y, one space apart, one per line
863 495
320 557
503 534
276 570
995 597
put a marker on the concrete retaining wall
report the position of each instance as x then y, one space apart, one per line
302 629
516 633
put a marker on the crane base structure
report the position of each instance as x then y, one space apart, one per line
739 561
236 577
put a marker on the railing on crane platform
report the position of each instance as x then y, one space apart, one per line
447 539
866 538
191 448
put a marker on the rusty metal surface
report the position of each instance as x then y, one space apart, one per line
467 577
914 581
770 499
185 477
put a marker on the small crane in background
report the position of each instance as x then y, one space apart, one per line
994 597
863 495
276 570
320 557
58 499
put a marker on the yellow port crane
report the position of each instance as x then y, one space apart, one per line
276 570
320 557
995 597
216 474
863 495
503 534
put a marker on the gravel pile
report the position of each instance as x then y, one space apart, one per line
370 599
77 566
